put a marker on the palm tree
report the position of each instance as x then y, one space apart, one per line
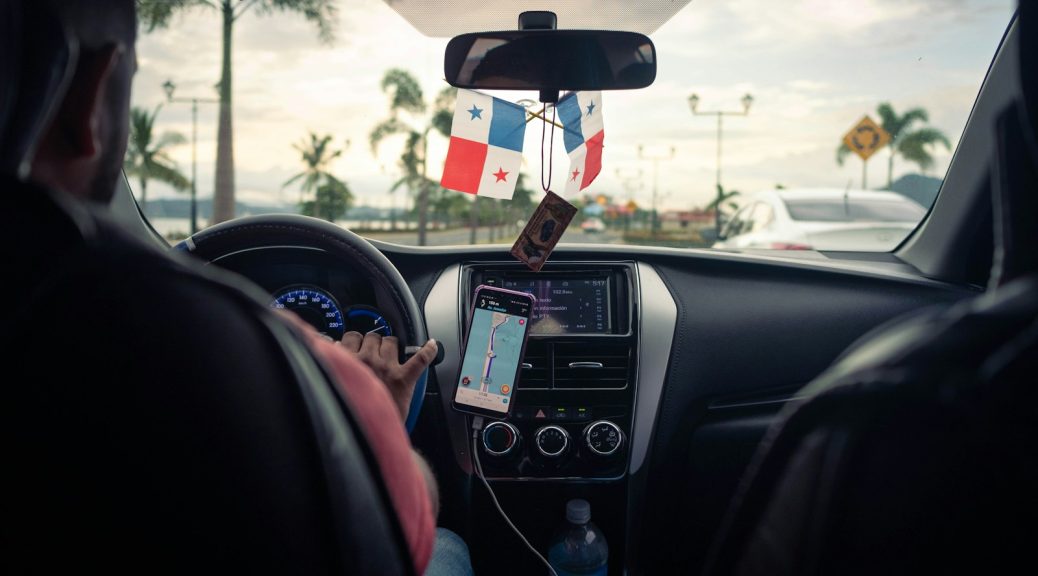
724 198
148 160
331 202
317 155
913 145
405 96
158 13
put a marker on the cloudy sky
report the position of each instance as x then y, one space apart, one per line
813 67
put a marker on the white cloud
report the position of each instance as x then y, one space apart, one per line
813 66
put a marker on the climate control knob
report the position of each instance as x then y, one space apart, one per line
552 441
603 438
500 439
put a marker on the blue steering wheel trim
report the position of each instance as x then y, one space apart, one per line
416 401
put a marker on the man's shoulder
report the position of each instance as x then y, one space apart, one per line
67 255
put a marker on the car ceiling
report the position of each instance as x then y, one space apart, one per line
446 18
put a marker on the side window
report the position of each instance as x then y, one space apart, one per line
739 224
762 216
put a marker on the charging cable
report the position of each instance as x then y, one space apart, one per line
477 425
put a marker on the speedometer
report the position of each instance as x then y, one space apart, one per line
315 306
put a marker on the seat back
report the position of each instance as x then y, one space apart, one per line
36 69
915 453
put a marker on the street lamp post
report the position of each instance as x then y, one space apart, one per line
693 103
169 87
655 183
631 183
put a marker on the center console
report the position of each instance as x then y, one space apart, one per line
585 402
572 411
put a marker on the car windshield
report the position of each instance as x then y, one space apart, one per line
855 210
335 109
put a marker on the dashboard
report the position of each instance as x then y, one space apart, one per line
330 296
649 377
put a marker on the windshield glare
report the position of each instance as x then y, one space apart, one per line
855 211
342 113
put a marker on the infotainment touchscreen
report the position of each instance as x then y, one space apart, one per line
568 305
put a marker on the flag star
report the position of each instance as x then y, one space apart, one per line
575 174
476 112
590 107
500 175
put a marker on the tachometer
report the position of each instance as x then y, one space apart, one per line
366 319
313 305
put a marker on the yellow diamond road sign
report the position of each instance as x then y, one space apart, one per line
866 137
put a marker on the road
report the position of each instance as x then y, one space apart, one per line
461 236
498 319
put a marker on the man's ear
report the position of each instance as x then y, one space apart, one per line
81 112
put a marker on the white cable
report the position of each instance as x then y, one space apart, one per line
477 425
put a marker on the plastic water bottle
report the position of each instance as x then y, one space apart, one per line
579 547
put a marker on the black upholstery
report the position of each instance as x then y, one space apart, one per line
156 417
916 453
37 59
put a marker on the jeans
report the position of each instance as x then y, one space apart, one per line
450 556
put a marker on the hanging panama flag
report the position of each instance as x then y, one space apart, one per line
583 135
486 147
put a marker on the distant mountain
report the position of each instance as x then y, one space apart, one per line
181 208
922 189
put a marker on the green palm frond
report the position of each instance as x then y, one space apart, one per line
155 14
386 129
147 158
404 91
841 153
321 13
317 155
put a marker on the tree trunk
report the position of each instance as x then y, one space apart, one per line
223 196
890 170
473 220
423 194
144 195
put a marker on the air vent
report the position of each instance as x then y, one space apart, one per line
592 365
534 373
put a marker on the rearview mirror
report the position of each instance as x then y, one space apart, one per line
550 60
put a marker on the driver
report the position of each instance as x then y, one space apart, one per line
112 351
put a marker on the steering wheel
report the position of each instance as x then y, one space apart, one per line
286 230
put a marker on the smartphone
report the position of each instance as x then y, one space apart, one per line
495 343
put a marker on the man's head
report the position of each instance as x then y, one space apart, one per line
82 150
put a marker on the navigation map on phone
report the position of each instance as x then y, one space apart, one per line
492 355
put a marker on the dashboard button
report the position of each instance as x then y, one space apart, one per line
552 441
561 413
603 438
500 438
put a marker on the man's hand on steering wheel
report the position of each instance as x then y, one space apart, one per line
382 355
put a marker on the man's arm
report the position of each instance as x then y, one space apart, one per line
378 388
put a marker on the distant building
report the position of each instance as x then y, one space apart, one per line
676 219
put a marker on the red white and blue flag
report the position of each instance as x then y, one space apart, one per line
486 148
583 135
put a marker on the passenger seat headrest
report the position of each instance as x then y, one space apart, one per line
37 61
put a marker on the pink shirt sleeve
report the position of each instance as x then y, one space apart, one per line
384 431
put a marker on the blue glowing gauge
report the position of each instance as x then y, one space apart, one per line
313 305
365 319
